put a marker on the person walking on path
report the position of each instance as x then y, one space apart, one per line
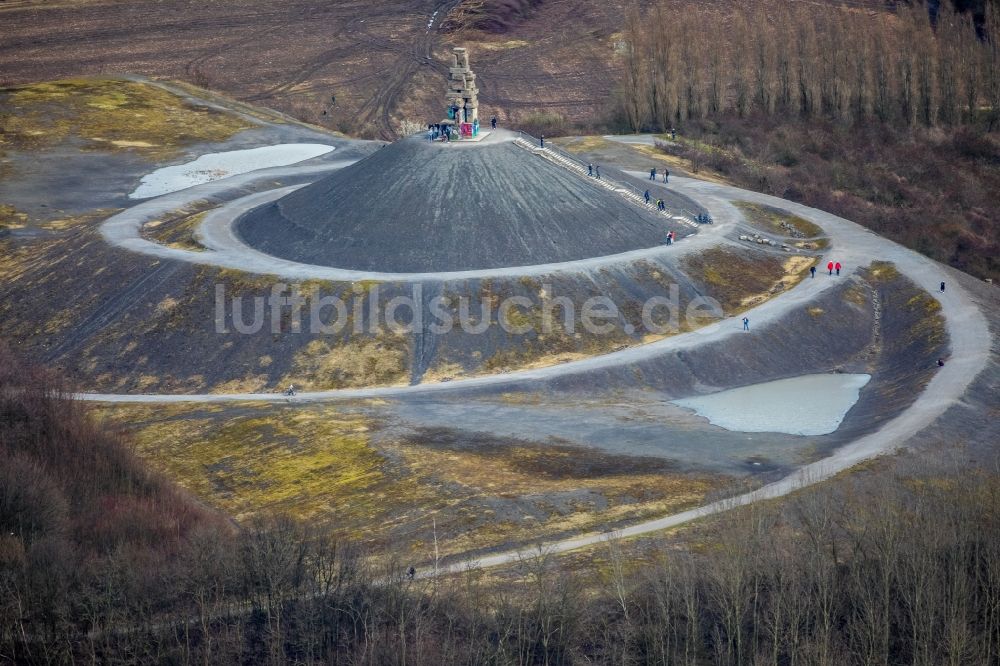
646 197
942 286
746 323
812 271
673 134
829 267
666 174
493 122
652 174
541 141
837 266
590 169
597 170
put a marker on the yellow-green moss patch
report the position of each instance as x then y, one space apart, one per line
359 361
305 463
11 218
108 115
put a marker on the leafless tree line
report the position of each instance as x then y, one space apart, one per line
908 573
806 59
104 562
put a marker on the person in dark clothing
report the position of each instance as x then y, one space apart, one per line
673 134
812 271
411 573
590 169
942 286
493 122
940 362
746 323
646 196
541 141
597 170
666 174
652 174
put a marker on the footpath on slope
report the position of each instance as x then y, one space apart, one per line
853 246
228 250
970 349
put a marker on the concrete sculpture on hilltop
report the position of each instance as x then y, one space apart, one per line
462 95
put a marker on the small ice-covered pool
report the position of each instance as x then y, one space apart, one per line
215 166
806 405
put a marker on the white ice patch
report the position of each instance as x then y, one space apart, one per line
215 166
806 405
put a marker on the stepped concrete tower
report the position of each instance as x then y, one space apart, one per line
462 95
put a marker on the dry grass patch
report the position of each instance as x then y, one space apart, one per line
326 465
442 372
309 464
502 46
583 144
178 232
523 492
777 220
108 115
11 218
739 279
360 361
883 271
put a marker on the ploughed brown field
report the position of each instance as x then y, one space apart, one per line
352 65
380 61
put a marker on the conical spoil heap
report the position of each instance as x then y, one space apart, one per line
416 206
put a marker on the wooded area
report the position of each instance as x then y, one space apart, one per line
810 60
102 561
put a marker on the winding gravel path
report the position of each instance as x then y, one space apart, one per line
227 250
970 349
852 245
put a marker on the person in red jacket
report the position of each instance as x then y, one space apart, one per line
829 267
837 266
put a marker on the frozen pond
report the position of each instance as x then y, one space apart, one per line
215 166
806 405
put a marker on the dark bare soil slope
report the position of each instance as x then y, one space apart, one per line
416 206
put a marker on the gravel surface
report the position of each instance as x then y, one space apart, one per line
852 245
417 206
